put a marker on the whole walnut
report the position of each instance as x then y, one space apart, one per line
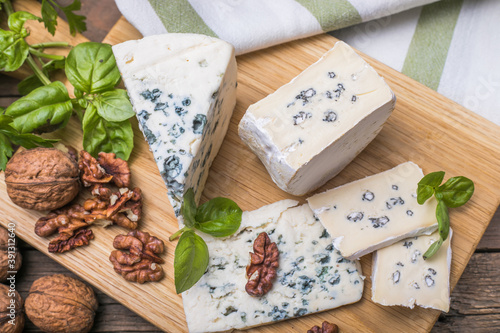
59 303
15 255
11 311
42 178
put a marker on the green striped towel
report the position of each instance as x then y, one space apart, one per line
452 46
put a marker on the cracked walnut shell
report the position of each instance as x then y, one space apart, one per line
59 303
42 178
11 318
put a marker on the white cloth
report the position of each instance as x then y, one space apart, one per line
467 34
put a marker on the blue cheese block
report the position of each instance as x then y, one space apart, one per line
309 129
183 90
374 212
401 276
312 275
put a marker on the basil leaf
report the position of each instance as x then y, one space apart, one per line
443 219
29 84
76 22
456 191
6 151
427 185
188 208
190 262
102 135
45 109
91 67
17 19
433 249
114 105
49 17
13 50
4 119
219 217
78 93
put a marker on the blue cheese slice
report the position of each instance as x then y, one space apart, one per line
401 276
183 90
309 129
312 275
374 212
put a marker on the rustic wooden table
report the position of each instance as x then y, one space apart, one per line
475 305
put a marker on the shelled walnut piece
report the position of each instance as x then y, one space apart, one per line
11 321
69 223
108 168
59 303
136 257
123 208
261 271
8 244
326 327
42 178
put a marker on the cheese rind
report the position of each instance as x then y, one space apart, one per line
376 211
312 276
183 90
400 275
308 130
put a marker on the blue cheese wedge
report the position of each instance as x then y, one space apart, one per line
309 129
312 275
401 276
374 212
183 90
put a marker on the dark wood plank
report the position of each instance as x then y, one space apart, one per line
491 238
475 302
101 16
8 88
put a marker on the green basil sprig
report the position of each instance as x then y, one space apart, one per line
455 192
103 110
219 217
91 69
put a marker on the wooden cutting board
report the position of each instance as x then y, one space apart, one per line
425 127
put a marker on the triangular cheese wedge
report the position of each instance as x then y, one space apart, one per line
183 90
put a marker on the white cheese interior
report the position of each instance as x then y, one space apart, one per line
312 276
183 90
376 211
311 128
401 276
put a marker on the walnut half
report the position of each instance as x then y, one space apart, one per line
136 257
264 262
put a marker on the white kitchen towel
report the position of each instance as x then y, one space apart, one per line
452 46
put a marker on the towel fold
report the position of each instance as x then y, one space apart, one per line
451 46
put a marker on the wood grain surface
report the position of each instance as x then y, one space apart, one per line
399 134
